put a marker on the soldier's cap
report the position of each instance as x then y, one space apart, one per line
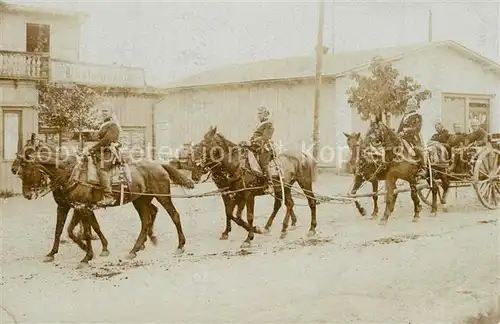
412 102
263 109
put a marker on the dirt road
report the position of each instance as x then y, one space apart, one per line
439 270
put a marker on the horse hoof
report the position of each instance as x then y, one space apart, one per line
373 218
245 245
382 222
131 255
104 253
143 247
154 240
48 258
224 236
82 265
311 233
266 231
179 251
283 235
416 219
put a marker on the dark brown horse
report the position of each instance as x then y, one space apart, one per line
364 171
228 160
398 162
185 162
148 180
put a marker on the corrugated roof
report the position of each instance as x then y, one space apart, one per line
12 6
301 67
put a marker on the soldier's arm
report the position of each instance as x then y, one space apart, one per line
109 136
265 134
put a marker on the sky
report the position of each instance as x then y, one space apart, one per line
171 40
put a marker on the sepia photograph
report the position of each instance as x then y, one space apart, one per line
148 148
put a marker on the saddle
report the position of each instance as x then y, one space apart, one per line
251 162
85 171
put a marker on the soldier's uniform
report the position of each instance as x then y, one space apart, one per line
410 127
442 136
109 133
260 144
478 136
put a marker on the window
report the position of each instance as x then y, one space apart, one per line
463 108
37 38
12 135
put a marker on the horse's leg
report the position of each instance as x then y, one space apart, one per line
142 205
97 228
289 206
151 235
166 202
390 186
62 214
229 208
77 238
85 217
416 201
358 181
306 185
375 199
434 190
445 184
294 218
249 204
278 196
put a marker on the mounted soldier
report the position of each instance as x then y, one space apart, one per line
260 144
104 153
409 130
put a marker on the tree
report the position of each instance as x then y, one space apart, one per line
67 108
383 93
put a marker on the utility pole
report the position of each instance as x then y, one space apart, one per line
430 27
317 92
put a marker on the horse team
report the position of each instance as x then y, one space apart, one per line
229 169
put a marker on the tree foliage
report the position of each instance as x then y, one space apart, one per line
383 93
68 108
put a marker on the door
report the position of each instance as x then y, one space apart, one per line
133 141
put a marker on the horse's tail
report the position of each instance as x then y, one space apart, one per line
177 177
311 166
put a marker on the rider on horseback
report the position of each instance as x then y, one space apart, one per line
260 144
109 133
409 130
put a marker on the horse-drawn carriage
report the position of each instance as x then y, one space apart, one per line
476 166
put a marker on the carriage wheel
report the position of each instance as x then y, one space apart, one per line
486 178
425 194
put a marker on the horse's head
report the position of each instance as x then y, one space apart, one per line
211 151
25 166
354 143
185 161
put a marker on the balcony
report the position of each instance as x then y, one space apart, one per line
96 74
23 65
35 66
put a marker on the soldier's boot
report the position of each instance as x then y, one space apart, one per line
422 163
270 188
105 181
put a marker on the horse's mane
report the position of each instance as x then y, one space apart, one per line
225 140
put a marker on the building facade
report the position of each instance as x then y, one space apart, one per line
38 45
463 84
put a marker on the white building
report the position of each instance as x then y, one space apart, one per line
43 45
463 83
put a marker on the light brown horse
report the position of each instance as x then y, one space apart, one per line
228 160
149 180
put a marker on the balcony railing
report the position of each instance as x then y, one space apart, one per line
94 74
35 66
24 65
